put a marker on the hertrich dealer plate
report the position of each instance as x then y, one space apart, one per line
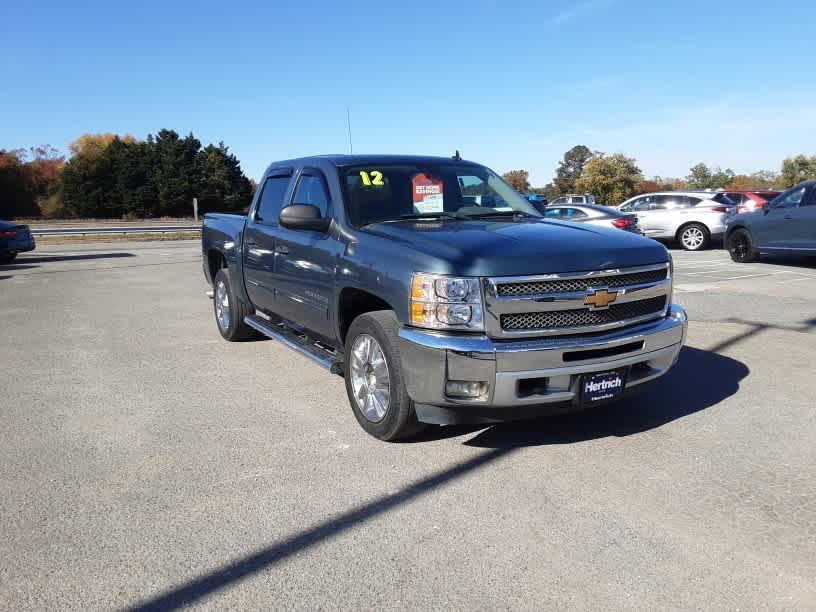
603 385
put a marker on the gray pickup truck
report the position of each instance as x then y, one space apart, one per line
440 294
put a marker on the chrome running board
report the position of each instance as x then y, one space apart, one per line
297 341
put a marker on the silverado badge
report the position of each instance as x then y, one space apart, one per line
600 299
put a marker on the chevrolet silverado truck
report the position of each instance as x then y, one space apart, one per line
440 294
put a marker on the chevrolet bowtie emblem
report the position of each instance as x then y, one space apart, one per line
599 299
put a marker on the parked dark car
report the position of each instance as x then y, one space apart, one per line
594 214
787 225
537 201
14 239
748 201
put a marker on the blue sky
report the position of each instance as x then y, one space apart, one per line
510 84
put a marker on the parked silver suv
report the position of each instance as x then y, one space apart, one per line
692 218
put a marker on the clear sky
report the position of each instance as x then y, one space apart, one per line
510 84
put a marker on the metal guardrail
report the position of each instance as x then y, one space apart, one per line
135 229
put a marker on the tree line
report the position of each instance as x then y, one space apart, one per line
617 177
112 176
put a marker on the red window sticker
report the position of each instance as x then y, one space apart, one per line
427 192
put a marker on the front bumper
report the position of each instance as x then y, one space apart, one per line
530 376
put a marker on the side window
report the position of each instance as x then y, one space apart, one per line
737 198
643 204
274 190
311 189
660 202
790 199
573 213
552 213
692 200
629 206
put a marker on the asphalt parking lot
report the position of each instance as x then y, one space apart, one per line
146 462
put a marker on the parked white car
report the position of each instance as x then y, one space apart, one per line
692 218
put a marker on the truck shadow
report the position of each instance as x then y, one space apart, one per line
50 258
700 379
679 393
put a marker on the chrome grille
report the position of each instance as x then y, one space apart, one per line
556 319
539 287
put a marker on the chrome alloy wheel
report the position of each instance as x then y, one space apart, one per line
370 381
692 238
222 306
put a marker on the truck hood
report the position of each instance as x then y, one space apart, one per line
501 248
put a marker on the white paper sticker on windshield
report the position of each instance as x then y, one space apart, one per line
428 194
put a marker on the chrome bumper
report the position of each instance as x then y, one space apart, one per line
549 367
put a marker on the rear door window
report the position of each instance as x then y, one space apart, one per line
271 202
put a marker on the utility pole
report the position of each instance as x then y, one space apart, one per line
195 209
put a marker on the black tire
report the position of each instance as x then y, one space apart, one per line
7 258
741 247
233 327
694 237
399 420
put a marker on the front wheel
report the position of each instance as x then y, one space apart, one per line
741 247
374 378
694 237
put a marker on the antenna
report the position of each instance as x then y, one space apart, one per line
456 156
348 125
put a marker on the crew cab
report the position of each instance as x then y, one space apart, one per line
440 294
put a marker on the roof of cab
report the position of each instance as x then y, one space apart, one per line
365 160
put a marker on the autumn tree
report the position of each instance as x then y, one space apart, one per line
763 179
27 179
518 180
571 168
703 177
610 178
650 187
797 169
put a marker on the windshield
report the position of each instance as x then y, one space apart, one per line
390 192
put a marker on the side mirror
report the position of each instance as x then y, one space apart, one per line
304 217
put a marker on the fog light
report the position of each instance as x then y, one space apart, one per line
465 388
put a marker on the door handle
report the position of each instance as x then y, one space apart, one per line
788 217
282 250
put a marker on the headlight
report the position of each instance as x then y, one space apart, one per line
444 302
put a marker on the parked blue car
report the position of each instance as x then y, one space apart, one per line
14 239
787 225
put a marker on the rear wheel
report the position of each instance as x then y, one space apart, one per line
6 258
374 378
741 247
229 310
694 237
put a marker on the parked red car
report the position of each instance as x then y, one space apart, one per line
748 201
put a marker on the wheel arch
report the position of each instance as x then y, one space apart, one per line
686 224
351 303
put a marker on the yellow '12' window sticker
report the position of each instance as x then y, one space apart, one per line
372 178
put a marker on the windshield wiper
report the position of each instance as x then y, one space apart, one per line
434 215
516 214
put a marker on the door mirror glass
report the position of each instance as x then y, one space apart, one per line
304 217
